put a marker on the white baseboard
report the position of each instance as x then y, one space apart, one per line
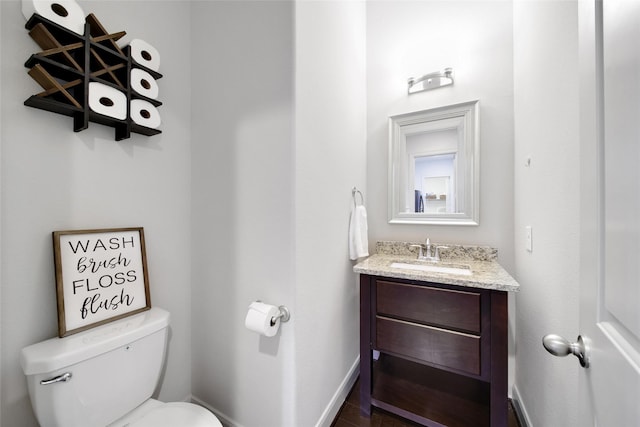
520 409
328 414
340 395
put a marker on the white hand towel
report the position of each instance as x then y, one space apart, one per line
358 238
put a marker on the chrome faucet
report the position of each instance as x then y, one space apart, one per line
424 252
427 245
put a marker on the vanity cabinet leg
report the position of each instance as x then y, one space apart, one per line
499 359
365 392
365 346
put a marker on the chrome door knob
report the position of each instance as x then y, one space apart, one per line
558 346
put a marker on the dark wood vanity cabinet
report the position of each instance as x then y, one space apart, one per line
442 352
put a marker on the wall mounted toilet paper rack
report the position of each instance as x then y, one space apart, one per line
70 61
284 315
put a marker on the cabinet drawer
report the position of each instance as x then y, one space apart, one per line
447 308
450 349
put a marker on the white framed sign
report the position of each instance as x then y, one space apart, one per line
101 276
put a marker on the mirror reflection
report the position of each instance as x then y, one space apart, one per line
434 180
433 171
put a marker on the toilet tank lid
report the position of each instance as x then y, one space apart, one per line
58 353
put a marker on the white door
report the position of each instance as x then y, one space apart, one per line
610 212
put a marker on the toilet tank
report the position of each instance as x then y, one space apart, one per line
113 368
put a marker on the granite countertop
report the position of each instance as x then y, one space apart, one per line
486 272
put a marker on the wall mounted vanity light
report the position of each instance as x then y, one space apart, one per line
431 81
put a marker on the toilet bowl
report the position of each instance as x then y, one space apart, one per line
153 413
106 376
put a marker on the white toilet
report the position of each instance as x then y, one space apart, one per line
105 376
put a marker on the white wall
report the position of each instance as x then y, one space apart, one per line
279 140
330 160
243 206
547 198
55 179
409 39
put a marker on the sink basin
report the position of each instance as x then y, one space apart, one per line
461 270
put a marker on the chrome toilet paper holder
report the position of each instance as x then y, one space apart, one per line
284 315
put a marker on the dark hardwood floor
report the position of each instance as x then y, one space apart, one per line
349 415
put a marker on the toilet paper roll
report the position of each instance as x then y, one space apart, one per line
145 113
67 13
259 319
144 83
145 54
107 101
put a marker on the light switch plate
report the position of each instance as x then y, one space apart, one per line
529 238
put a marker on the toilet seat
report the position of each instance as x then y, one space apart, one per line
177 414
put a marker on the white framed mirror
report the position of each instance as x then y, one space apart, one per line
434 166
